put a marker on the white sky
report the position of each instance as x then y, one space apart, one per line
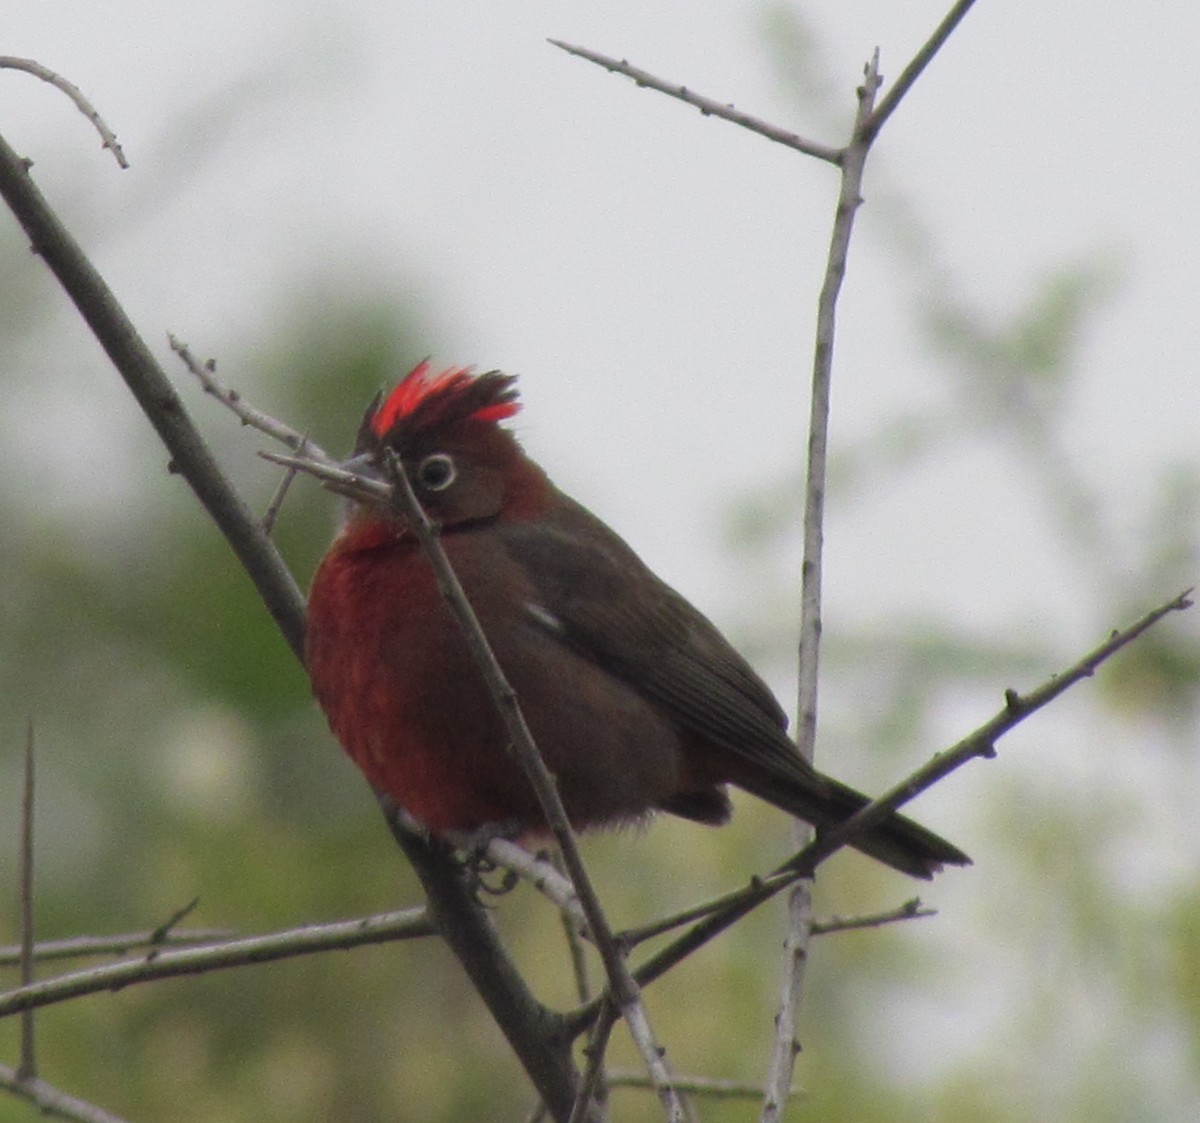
650 273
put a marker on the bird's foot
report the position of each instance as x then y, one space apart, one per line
472 846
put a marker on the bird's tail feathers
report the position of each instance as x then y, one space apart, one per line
897 841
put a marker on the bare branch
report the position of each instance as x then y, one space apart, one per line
50 1101
910 910
107 137
331 472
307 940
706 105
785 1043
756 886
231 399
706 1086
595 1050
849 200
165 928
82 947
276 504
908 76
785 1040
190 456
851 160
982 742
27 1068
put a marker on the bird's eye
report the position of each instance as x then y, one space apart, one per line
437 472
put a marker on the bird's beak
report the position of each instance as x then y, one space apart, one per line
366 482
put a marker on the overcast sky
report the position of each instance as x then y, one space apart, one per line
649 272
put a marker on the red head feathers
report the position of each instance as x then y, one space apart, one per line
423 400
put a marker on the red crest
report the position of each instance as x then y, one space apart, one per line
423 399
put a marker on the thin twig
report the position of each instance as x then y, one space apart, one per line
27 1067
307 940
331 472
849 200
706 1086
910 910
631 937
887 104
231 399
980 743
53 1102
84 947
575 948
785 1042
706 105
107 137
521 739
592 1085
160 934
285 484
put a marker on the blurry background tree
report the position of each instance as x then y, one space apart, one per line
180 754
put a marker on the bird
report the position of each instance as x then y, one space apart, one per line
636 701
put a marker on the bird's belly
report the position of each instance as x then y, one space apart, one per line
412 709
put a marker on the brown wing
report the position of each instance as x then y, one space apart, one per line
606 603
597 596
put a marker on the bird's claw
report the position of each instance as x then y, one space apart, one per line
471 854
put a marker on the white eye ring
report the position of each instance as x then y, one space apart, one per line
437 472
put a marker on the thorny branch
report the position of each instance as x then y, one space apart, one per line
910 910
982 742
232 400
706 105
